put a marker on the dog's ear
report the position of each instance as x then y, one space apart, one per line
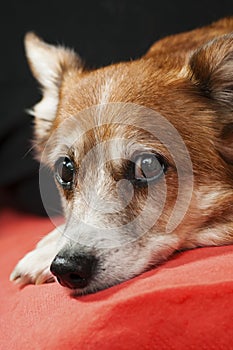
48 64
211 69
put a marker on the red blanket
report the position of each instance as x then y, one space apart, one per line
185 304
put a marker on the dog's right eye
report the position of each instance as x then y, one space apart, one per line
64 172
148 167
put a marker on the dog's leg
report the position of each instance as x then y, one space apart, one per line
34 267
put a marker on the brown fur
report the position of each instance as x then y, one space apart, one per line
187 78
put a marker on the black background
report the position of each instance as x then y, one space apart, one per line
102 32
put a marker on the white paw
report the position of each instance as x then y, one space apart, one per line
34 267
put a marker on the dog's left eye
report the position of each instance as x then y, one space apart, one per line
149 167
64 172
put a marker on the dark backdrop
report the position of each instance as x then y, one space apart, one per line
102 32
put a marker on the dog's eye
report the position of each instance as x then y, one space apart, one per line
64 172
149 167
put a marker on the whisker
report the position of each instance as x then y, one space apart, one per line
28 151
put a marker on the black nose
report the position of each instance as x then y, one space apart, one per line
73 271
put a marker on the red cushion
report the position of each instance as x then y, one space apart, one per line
185 304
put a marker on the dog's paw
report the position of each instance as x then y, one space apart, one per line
34 268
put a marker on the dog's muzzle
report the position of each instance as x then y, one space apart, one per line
73 271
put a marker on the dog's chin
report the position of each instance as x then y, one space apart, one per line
90 289
75 293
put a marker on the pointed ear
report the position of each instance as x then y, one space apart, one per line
211 69
48 64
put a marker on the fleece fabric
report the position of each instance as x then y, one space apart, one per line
186 303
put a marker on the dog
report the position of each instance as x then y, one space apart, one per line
142 154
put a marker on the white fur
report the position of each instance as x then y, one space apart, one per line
34 267
207 197
106 90
45 109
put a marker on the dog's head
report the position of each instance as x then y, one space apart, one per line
141 152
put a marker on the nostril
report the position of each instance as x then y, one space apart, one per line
74 280
75 277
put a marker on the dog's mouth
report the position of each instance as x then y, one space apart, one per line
74 281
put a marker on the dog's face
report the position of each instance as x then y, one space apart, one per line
141 152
